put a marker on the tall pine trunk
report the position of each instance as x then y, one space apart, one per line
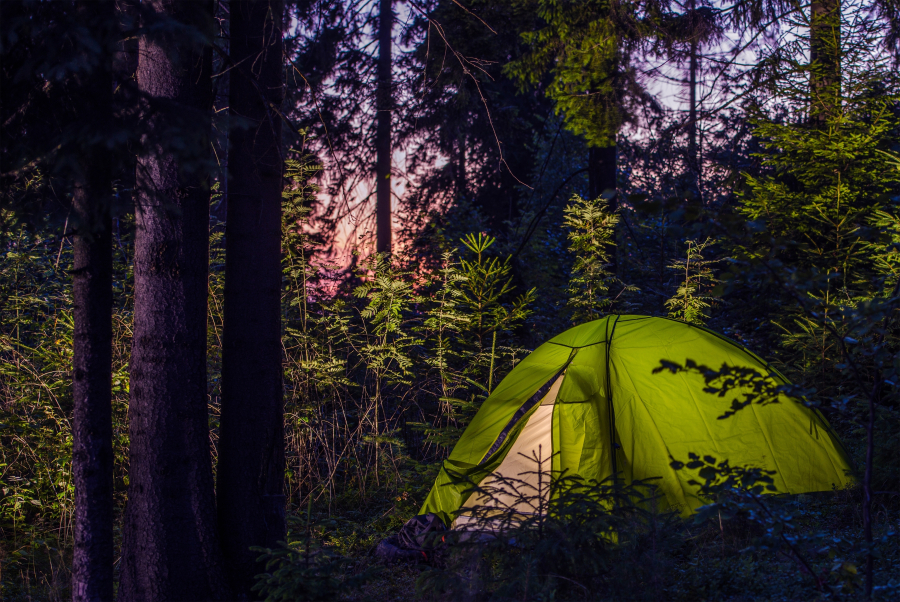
693 69
825 60
170 549
92 456
250 482
602 180
383 129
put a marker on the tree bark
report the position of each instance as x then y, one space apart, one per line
250 482
170 548
694 66
602 180
825 60
92 456
383 131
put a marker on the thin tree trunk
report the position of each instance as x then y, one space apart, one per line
92 456
825 60
602 180
693 156
125 97
170 548
383 131
250 482
461 165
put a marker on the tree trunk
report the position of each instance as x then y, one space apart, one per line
92 456
250 483
170 549
461 165
825 60
383 131
602 180
125 98
693 155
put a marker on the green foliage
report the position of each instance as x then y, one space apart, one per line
824 185
884 249
35 357
311 574
407 353
389 294
584 47
469 309
564 538
305 570
445 318
692 299
36 329
820 223
486 282
591 233
738 492
445 322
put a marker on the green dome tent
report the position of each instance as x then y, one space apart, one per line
589 399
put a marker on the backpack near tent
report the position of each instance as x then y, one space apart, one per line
588 403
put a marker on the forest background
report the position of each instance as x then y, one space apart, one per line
444 185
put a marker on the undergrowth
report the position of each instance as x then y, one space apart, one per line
383 371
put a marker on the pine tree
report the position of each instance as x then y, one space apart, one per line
585 50
591 229
63 143
384 107
461 106
486 284
250 474
693 299
811 214
92 455
170 547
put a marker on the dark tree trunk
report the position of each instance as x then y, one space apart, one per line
383 131
693 151
250 483
461 165
602 180
825 60
125 100
602 173
170 548
92 456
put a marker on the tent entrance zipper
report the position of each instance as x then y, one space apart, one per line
533 401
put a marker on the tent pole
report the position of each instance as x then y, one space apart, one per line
609 401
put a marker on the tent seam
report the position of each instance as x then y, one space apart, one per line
574 346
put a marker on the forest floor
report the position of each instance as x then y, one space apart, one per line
712 561
693 561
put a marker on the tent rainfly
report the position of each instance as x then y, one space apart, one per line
588 403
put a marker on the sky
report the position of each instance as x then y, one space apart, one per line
737 51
